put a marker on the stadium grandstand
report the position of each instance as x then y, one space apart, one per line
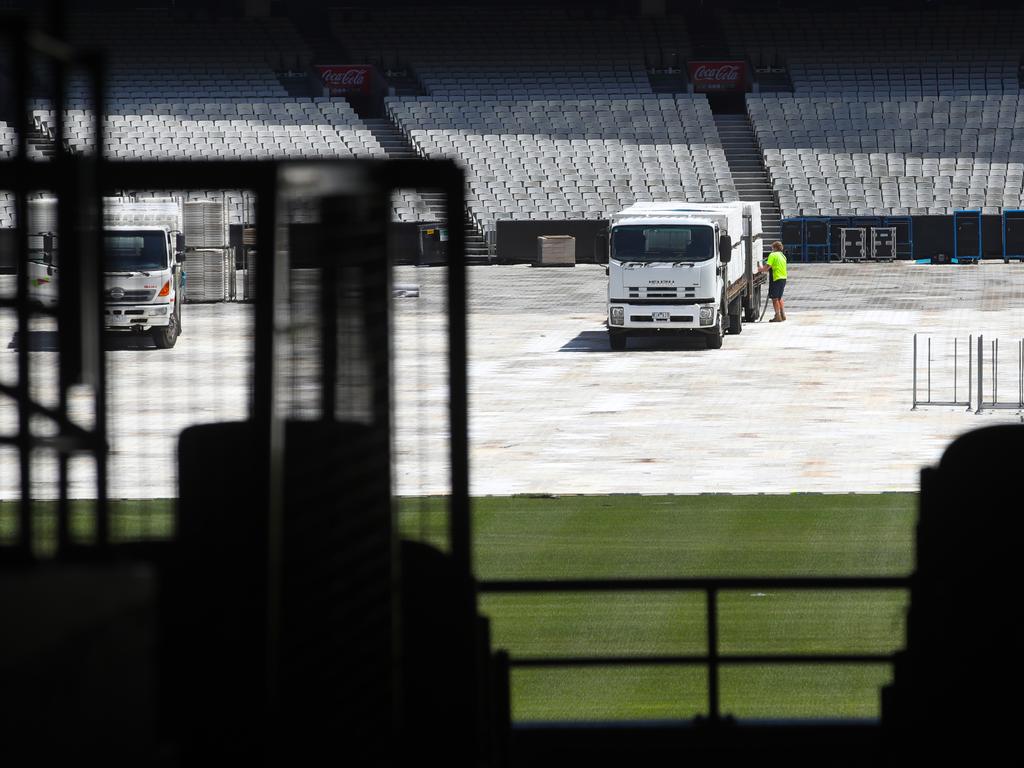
558 113
624 510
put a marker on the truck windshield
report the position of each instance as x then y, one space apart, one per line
662 243
135 251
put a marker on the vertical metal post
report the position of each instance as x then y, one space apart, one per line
929 369
995 373
954 367
461 523
970 370
981 374
21 76
328 263
714 709
270 276
93 268
60 76
913 407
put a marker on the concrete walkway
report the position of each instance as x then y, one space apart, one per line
819 403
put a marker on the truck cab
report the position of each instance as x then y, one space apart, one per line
682 268
143 282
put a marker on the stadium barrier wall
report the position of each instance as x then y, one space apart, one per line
926 237
403 243
517 240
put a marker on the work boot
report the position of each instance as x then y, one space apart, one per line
776 319
783 315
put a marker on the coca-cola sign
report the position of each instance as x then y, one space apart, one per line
711 76
340 79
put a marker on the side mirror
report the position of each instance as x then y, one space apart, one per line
179 241
725 248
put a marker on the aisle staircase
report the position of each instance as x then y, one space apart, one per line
746 163
40 145
396 146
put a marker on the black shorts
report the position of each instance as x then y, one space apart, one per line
775 289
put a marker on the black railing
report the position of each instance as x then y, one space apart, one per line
712 659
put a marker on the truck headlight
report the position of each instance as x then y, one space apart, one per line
617 315
158 311
707 315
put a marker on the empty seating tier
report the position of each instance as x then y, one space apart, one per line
574 158
877 50
534 53
841 156
155 54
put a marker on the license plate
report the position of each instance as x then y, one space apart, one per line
661 316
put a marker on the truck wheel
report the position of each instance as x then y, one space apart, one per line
736 322
617 340
165 336
714 338
755 306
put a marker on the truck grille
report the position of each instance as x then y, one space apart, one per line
659 292
653 292
650 318
129 297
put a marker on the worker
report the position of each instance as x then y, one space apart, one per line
776 265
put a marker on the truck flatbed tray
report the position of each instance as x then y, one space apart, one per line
736 286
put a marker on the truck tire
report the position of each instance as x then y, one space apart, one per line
617 340
736 322
754 309
166 335
714 337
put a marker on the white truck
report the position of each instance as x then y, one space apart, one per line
144 275
144 285
684 268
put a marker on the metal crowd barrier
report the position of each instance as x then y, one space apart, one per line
956 398
923 392
994 404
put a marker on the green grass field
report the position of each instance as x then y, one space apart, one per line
616 536
650 536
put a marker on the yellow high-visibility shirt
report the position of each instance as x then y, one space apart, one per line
777 261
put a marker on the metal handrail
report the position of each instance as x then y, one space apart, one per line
711 586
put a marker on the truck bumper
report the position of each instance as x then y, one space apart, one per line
126 317
657 318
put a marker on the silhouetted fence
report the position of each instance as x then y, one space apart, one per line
712 659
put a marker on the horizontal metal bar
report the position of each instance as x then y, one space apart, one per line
504 586
34 309
244 174
65 443
700 660
76 433
942 402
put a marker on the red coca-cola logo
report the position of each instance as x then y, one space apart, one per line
346 78
723 72
718 75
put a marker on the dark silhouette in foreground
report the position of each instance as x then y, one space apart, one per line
958 684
